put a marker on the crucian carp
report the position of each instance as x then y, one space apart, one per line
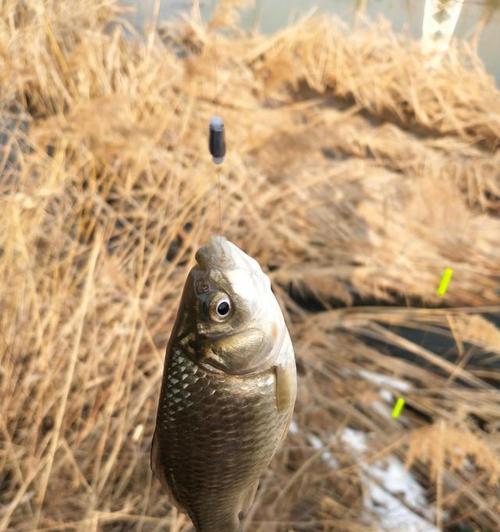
228 390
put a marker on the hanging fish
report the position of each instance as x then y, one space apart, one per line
228 390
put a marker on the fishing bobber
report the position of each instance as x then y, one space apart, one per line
217 140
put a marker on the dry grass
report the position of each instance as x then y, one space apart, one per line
353 174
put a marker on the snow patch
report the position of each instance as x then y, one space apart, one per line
383 481
384 380
326 456
354 439
386 395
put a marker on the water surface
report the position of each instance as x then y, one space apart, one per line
405 16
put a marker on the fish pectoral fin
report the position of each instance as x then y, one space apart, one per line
154 454
154 462
159 471
286 387
247 499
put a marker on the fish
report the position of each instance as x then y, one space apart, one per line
228 389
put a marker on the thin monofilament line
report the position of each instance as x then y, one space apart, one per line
219 188
216 101
216 74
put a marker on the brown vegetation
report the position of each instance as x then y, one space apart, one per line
354 174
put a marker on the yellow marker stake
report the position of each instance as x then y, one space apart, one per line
398 408
445 281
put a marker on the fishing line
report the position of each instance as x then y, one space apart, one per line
216 138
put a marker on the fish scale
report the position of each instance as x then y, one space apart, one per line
204 421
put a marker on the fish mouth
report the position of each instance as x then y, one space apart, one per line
221 254
216 253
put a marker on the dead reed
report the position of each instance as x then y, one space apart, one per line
354 175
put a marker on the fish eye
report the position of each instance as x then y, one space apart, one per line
223 308
220 308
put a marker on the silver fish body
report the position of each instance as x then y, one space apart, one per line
228 389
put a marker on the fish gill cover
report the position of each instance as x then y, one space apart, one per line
354 175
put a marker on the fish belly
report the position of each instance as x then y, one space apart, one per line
216 434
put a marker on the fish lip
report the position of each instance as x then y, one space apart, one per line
221 254
217 253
